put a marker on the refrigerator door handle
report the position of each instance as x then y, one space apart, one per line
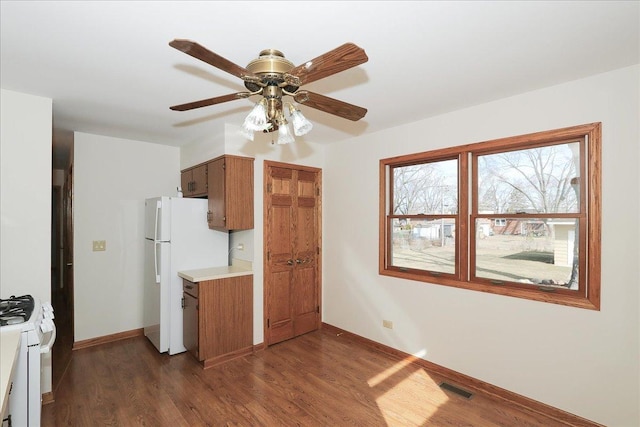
155 230
155 261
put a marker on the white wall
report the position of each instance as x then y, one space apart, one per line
302 152
25 195
112 178
197 152
584 362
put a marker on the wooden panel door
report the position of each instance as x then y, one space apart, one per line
306 307
292 251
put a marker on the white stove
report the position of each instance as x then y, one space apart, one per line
38 333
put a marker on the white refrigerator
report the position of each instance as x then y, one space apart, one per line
177 237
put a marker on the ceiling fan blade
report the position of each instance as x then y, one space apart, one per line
339 59
330 105
210 101
199 52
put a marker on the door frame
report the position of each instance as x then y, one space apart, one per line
56 242
67 249
265 245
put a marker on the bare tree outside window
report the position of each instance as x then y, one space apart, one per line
425 200
536 180
532 181
425 188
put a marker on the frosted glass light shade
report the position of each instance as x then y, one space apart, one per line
301 125
284 134
257 118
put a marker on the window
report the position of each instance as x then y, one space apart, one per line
518 216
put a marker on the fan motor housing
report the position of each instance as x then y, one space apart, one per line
270 61
270 66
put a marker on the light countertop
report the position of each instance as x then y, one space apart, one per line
237 268
9 346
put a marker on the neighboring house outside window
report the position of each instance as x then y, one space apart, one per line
518 216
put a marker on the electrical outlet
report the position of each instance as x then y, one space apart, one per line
99 245
240 246
387 324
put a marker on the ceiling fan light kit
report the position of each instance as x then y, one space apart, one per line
272 76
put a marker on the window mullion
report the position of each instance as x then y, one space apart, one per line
463 237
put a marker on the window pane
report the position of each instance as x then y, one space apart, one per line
529 251
427 188
536 180
424 244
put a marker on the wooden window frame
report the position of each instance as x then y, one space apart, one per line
588 294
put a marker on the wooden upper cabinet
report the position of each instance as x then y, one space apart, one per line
194 181
230 193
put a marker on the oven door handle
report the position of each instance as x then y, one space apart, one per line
45 348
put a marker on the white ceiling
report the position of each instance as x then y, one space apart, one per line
109 69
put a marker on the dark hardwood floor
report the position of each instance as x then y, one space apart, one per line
318 379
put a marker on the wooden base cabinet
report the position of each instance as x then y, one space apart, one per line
221 328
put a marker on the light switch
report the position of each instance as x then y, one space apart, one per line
99 245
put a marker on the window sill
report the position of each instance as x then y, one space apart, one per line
578 301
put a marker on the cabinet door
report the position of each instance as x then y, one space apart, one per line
230 193
217 194
194 181
239 192
185 182
199 180
190 324
226 316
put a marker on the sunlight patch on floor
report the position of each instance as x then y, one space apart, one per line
407 379
382 376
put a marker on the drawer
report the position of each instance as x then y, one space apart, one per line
190 287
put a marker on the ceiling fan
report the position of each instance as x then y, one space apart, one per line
273 76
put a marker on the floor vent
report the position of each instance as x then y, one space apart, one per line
456 390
